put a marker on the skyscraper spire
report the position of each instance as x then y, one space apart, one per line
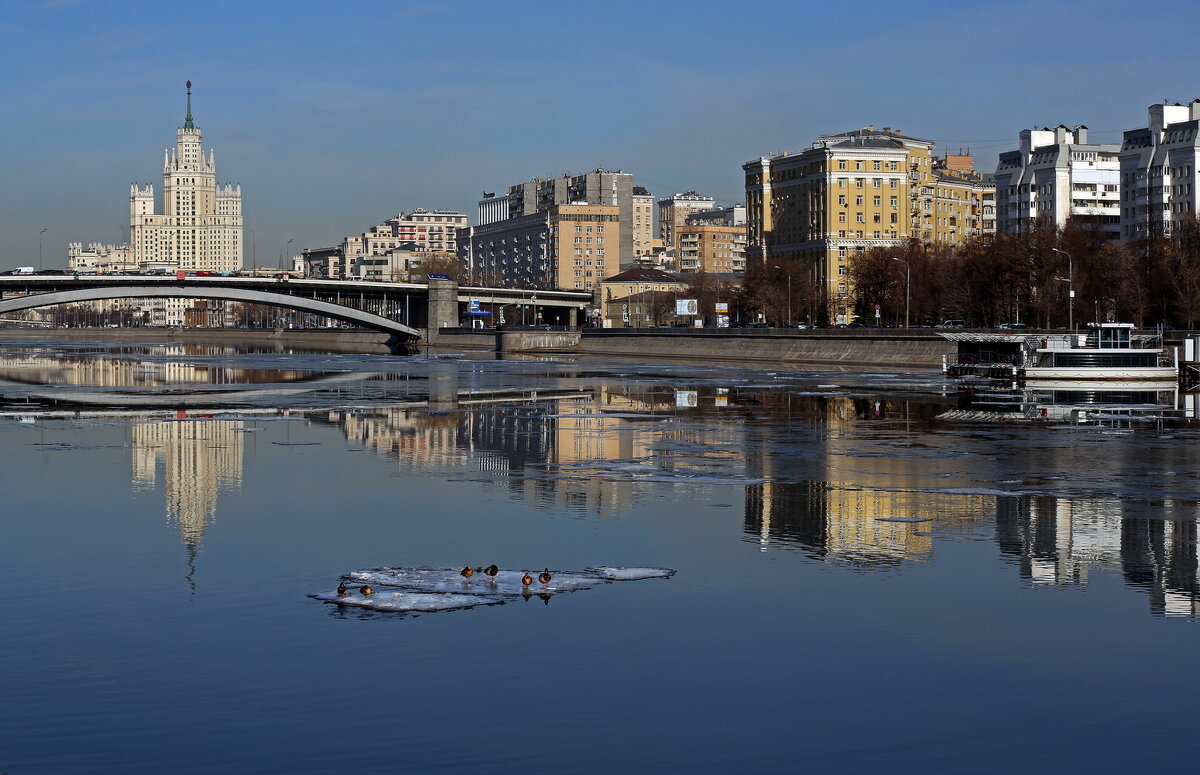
187 122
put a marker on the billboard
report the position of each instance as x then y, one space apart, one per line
686 307
721 308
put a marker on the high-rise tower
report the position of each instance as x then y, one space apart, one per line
201 222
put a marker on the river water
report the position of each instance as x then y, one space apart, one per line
872 572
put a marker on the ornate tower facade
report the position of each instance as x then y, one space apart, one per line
201 222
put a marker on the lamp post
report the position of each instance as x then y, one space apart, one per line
40 233
907 286
1070 280
789 300
283 252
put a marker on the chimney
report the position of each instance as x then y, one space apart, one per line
1060 134
1081 134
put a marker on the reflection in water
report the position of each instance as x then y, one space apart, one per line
1060 541
199 459
855 481
51 367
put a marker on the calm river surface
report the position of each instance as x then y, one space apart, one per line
872 574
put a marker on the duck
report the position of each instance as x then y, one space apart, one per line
341 590
467 572
366 589
491 571
526 580
545 576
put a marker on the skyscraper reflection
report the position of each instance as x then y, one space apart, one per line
199 459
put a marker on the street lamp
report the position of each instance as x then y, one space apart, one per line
1070 281
285 250
789 304
43 231
907 286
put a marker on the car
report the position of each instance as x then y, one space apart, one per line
757 324
1013 326
952 324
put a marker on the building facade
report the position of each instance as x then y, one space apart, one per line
673 212
100 259
855 191
1055 175
598 188
200 226
1158 171
570 246
636 297
643 223
708 247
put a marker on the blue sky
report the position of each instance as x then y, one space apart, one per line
336 116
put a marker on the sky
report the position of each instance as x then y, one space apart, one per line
334 117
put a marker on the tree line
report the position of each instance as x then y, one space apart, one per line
1010 278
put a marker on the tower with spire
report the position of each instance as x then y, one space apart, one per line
200 222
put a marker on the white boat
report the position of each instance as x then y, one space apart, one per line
1106 352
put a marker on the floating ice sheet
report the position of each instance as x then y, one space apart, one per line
411 590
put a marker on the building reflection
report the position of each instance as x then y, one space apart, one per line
128 370
1063 541
846 507
198 459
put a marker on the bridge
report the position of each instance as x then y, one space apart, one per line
406 311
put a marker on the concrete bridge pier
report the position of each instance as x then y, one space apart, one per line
442 311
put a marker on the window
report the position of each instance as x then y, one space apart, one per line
841 182
858 182
841 199
875 165
841 254
841 217
860 218
841 164
858 200
877 201
895 202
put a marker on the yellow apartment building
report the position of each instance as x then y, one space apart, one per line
855 191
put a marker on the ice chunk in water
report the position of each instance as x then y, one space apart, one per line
445 589
389 600
632 574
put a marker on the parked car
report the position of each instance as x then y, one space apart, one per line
952 324
1014 325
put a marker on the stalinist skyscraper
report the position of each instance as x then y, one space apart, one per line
201 223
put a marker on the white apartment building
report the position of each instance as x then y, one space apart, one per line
100 258
1159 171
200 226
1056 175
421 231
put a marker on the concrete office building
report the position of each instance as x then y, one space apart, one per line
1159 172
1056 175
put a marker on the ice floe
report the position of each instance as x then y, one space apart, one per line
425 590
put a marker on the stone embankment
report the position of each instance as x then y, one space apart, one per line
828 346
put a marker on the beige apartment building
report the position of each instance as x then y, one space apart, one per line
855 191
708 247
643 222
673 213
